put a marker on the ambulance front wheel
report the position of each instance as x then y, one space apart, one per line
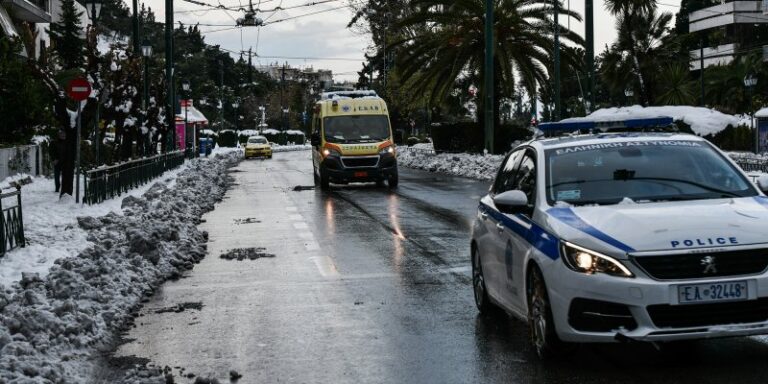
392 180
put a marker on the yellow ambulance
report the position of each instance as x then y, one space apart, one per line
352 140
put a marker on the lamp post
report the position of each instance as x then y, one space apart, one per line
750 81
185 87
146 52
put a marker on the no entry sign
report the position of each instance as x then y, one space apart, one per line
79 89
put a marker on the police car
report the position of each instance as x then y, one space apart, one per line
618 236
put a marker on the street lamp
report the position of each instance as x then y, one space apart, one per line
235 105
629 93
185 87
93 8
146 52
750 81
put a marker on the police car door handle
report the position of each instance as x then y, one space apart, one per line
500 227
484 215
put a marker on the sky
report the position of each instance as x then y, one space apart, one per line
322 40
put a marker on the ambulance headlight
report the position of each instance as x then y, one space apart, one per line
587 261
331 152
390 150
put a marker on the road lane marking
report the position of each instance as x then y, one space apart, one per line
325 266
296 217
291 209
300 225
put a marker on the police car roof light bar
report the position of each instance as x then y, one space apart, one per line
654 124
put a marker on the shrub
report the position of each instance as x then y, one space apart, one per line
411 141
227 138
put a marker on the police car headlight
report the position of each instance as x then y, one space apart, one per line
387 151
331 152
587 261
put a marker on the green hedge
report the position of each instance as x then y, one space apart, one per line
469 136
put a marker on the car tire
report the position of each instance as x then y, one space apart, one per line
325 182
392 180
541 326
482 301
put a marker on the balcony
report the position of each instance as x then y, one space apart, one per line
735 12
33 11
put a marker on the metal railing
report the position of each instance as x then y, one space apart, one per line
11 223
105 183
750 165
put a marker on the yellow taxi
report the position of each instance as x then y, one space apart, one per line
258 146
352 140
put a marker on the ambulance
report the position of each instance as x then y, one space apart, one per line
352 140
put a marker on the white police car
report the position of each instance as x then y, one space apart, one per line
623 236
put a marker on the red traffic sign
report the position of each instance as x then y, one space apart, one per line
79 89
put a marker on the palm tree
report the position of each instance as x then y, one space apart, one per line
641 47
445 42
630 13
676 86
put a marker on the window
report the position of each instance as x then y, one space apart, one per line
506 176
658 170
526 177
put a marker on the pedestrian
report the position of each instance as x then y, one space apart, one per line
55 151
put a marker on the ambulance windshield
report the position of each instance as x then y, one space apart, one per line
356 129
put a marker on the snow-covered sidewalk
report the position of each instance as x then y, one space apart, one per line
50 226
51 326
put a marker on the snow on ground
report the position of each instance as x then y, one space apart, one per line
50 226
290 147
52 327
474 166
703 121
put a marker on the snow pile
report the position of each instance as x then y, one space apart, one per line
703 121
50 226
50 327
290 147
476 166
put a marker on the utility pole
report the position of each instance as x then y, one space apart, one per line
557 60
136 44
590 35
488 88
250 67
170 112
701 68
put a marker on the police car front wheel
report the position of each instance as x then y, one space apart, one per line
541 327
482 301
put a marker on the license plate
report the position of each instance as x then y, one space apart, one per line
712 292
361 174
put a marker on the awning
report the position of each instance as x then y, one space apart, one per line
193 115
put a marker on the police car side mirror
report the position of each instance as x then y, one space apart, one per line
314 139
511 202
762 183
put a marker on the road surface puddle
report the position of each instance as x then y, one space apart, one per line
248 220
300 188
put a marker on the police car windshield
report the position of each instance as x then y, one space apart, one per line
356 128
643 171
257 140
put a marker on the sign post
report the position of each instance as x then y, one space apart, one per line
78 89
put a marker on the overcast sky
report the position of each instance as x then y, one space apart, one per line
321 40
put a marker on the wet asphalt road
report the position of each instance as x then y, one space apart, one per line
372 286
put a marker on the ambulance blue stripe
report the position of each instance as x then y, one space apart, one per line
567 216
535 235
762 200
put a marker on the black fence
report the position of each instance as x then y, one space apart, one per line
105 183
750 165
11 222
